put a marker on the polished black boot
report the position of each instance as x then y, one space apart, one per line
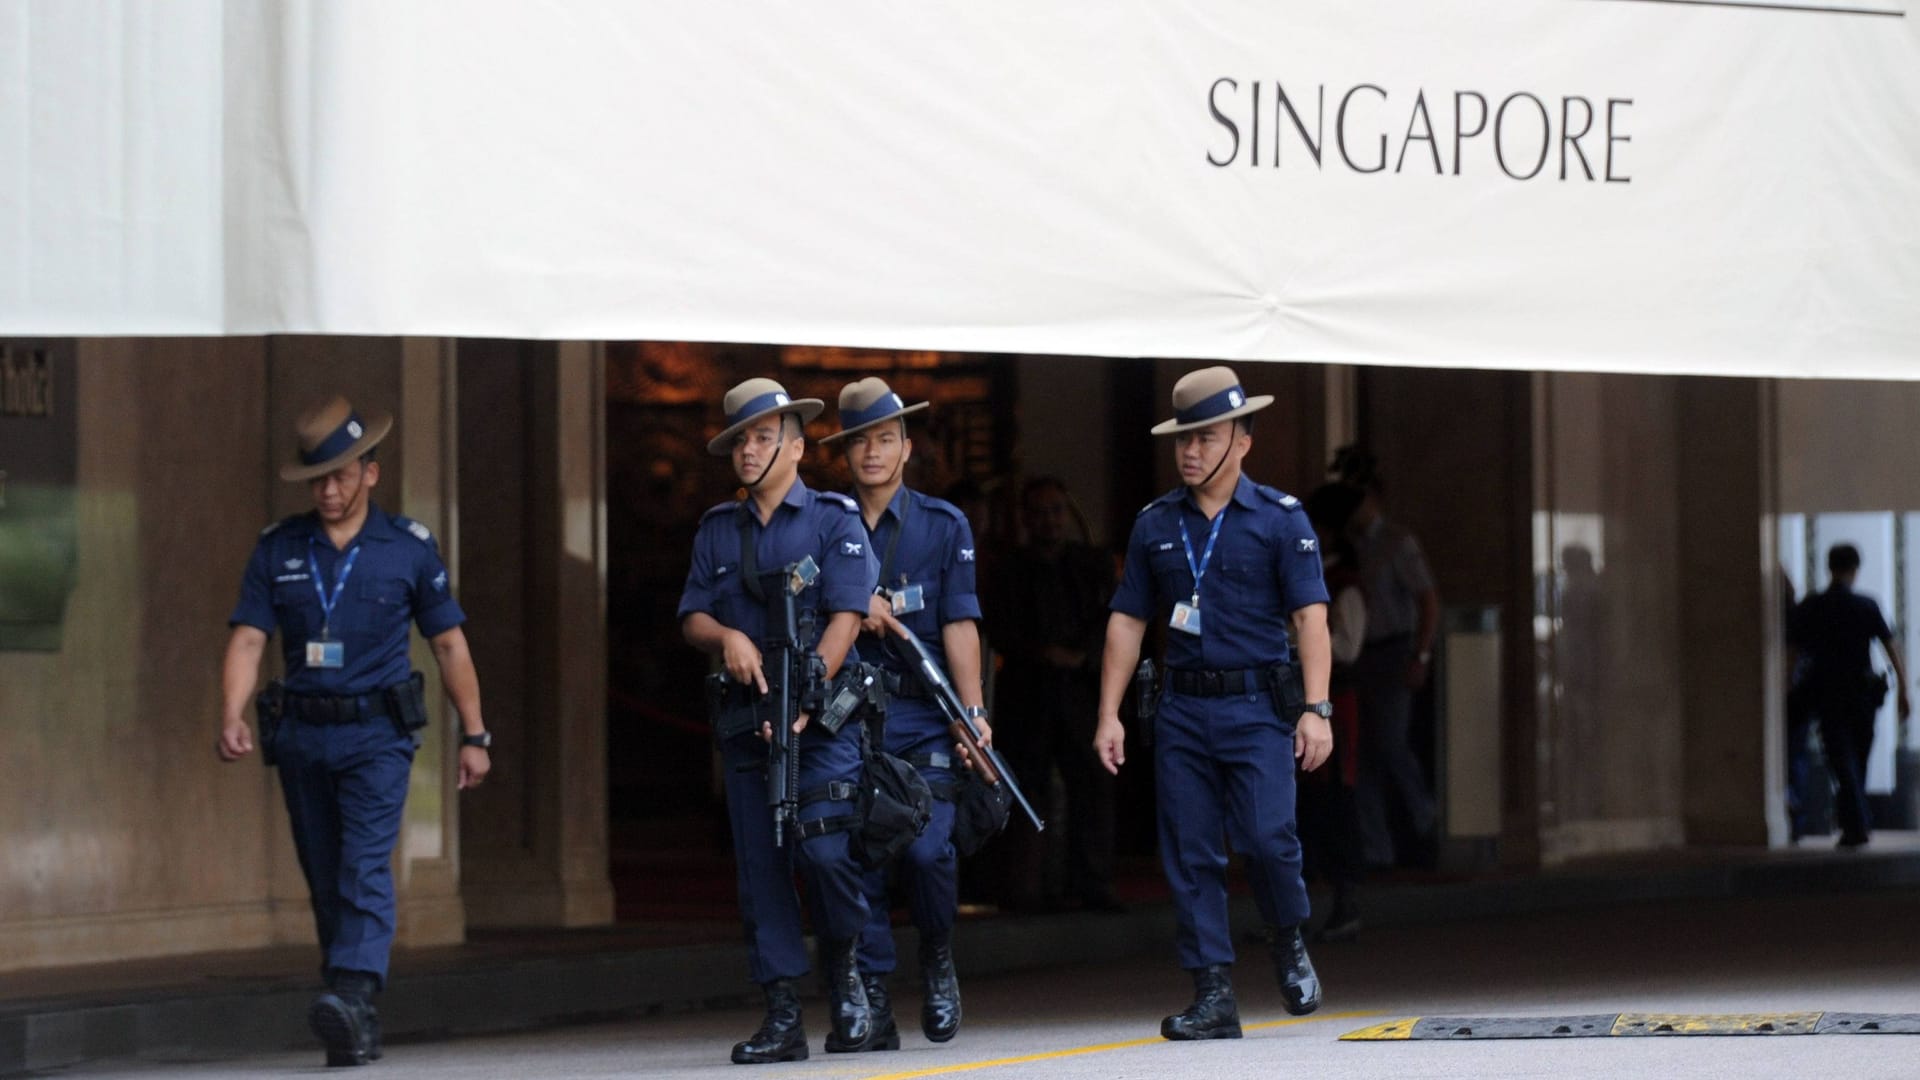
344 1020
1213 1015
940 1009
886 1034
847 995
1299 984
781 1036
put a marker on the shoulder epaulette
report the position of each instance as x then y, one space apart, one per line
414 529
1275 495
275 527
720 508
846 501
944 507
1168 497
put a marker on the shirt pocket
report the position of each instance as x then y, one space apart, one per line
1167 561
382 602
295 608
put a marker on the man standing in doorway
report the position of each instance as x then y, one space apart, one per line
1049 613
926 554
723 613
1236 565
340 583
1403 616
1835 631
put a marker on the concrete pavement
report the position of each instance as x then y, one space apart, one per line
1851 951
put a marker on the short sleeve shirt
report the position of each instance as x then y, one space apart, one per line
823 525
1265 566
395 581
1836 630
924 541
1394 575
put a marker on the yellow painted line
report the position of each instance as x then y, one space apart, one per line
1715 1024
1078 1051
1392 1029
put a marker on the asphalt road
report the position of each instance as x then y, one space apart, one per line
1851 953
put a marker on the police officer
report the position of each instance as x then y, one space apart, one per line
1835 631
1232 566
780 523
926 554
341 582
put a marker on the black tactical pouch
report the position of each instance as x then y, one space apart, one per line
980 811
894 805
729 708
1288 691
407 704
269 708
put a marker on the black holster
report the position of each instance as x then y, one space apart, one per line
1146 700
730 708
269 707
1287 690
407 704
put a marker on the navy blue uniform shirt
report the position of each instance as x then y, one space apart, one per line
934 551
807 522
1265 566
397 579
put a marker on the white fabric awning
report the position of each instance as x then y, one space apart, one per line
1617 185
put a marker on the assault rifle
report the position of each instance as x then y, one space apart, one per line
794 672
987 762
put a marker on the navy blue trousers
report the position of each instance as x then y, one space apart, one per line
930 868
346 788
769 907
1225 772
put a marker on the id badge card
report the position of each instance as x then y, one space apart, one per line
907 600
326 654
1186 618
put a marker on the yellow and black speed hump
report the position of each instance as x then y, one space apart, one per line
1597 1025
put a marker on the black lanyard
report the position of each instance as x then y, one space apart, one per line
893 545
749 566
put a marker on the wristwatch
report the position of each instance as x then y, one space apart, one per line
1321 709
484 740
974 712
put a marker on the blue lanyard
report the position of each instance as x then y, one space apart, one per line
327 604
1200 570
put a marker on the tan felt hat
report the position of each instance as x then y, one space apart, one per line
866 403
331 435
754 399
1209 396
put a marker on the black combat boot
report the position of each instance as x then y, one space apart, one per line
344 1020
886 1034
1299 984
940 1009
1213 1015
781 1036
852 1017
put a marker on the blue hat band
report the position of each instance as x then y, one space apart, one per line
879 410
339 442
1214 405
763 403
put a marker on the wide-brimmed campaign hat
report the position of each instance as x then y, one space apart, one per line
866 403
754 399
1209 396
331 435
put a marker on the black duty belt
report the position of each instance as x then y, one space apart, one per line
934 760
324 709
1217 683
906 686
